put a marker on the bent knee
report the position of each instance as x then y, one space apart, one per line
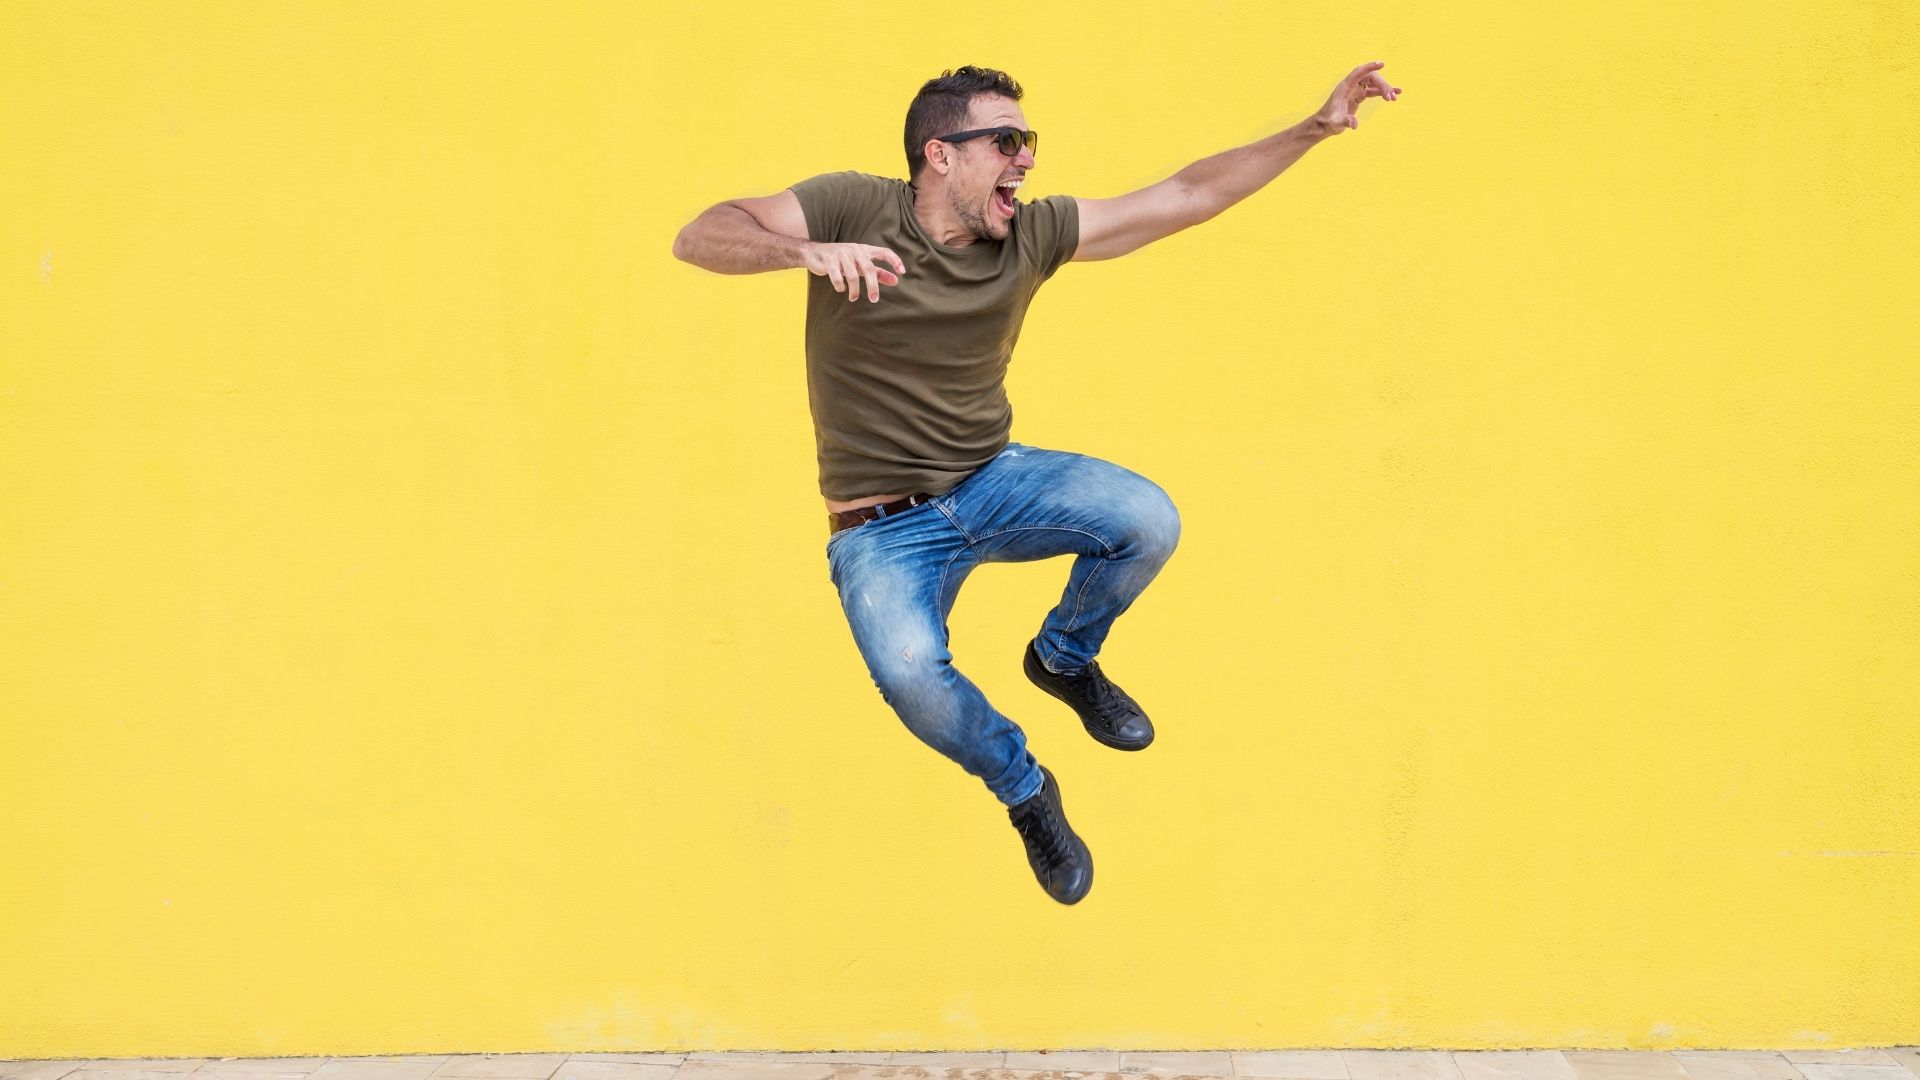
1155 522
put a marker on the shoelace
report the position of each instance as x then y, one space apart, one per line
1111 702
1044 836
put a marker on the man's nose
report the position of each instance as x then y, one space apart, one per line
1024 159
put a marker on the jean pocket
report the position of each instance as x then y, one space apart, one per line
836 552
837 540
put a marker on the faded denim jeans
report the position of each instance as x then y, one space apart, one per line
898 577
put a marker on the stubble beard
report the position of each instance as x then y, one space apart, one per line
972 215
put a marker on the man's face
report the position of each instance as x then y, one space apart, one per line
979 168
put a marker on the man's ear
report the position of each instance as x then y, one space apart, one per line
937 156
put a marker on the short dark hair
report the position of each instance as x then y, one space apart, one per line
940 108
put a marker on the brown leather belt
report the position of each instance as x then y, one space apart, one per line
860 515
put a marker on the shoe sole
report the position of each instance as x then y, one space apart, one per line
1030 662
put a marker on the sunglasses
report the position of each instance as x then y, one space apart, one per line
1009 139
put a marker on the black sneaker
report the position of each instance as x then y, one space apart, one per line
1106 711
1059 857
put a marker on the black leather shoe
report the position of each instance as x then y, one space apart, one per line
1106 711
1059 858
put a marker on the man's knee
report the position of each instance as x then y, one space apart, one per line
910 669
1153 522
918 681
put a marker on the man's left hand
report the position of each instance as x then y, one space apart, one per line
1342 107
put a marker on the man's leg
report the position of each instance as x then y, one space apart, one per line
897 579
1031 503
897 583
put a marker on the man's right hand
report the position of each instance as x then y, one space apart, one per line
848 266
749 236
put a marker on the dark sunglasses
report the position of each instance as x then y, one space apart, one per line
1008 138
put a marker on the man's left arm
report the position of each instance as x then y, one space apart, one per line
1110 228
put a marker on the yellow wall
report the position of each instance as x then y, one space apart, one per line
417 633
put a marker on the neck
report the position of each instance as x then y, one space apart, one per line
934 212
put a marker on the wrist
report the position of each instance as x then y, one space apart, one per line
1317 127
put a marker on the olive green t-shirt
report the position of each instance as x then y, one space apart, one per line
909 394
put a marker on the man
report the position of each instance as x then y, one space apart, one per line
911 418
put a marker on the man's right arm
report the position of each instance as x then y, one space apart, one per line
749 236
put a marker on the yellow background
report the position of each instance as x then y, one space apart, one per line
418 637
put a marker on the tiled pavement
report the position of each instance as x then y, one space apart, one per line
1890 1064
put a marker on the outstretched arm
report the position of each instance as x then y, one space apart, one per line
748 236
1110 228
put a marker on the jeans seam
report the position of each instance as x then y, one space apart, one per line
940 590
940 587
1061 525
1080 595
1079 601
954 520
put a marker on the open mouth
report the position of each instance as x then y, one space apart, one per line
1003 195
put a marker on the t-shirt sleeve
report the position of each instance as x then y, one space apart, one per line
1050 232
839 205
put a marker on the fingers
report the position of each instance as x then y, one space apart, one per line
1378 86
880 275
851 268
1362 83
859 270
1368 75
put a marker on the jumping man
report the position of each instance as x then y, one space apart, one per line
911 420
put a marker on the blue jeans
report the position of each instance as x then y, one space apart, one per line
898 577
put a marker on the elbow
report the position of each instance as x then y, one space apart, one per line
1196 205
687 244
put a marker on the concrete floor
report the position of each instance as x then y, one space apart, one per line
1889 1064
